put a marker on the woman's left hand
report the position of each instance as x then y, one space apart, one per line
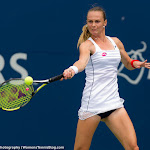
139 64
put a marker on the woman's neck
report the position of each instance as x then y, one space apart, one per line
97 38
100 37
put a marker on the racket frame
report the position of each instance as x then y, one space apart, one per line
45 82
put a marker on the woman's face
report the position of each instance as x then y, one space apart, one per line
95 22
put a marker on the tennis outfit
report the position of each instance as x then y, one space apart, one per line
100 93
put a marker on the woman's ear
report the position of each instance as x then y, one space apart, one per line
105 23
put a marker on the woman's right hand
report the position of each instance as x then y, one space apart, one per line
68 74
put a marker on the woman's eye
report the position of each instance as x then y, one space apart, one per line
90 21
97 21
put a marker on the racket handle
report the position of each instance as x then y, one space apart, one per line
55 78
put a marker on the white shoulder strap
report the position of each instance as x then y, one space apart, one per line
96 46
112 41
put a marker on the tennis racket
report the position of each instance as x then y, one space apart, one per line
14 93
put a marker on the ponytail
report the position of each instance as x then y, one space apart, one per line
84 35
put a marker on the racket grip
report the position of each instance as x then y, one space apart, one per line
55 78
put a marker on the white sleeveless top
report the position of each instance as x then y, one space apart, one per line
100 93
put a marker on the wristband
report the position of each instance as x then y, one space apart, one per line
132 63
74 68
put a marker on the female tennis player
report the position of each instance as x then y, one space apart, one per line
100 56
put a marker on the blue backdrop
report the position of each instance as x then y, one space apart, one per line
38 38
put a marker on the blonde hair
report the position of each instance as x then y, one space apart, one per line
84 35
85 32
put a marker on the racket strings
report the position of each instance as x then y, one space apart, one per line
14 94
